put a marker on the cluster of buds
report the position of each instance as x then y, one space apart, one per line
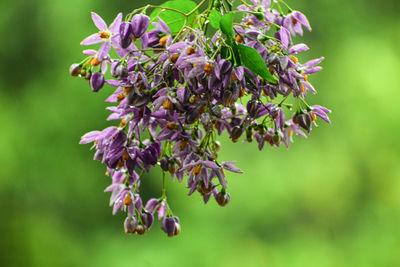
178 86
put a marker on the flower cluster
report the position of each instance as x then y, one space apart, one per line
178 86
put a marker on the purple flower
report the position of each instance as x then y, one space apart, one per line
104 35
173 96
294 22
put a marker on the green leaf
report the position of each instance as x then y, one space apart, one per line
175 20
226 24
215 18
252 60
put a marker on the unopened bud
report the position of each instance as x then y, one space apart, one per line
164 162
126 34
216 110
130 225
236 133
140 229
171 226
121 71
75 70
223 198
249 134
96 81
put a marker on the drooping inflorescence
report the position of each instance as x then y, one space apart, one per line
178 84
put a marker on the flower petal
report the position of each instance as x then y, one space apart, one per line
99 22
114 26
298 48
92 39
103 50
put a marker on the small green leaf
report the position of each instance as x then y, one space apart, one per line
215 18
226 24
175 20
252 60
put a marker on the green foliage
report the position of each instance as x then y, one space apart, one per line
226 24
215 18
173 19
252 59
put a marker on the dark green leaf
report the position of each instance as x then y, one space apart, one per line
175 20
253 61
215 18
226 24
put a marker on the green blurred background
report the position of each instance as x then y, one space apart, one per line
331 200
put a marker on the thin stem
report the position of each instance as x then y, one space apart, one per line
163 194
196 8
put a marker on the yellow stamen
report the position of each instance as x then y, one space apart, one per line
208 68
197 170
104 35
294 59
174 58
171 126
234 77
163 40
190 51
127 90
313 117
94 61
125 156
167 104
239 39
128 200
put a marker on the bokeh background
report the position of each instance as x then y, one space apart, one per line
331 200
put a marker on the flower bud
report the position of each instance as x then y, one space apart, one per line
249 134
193 116
88 75
258 15
216 110
223 198
140 229
130 225
96 81
121 71
140 24
236 133
75 70
147 219
171 226
164 163
126 34
276 138
205 118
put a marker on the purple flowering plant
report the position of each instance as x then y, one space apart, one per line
181 78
